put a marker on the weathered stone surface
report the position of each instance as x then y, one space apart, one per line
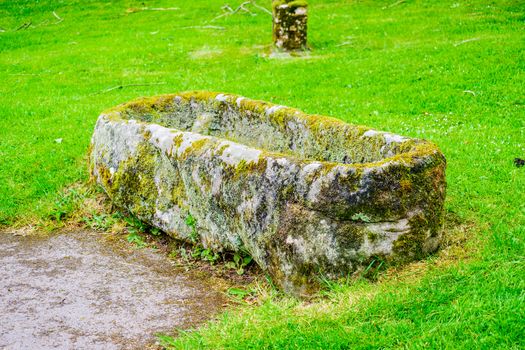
305 195
290 19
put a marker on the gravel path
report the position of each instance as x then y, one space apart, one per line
76 291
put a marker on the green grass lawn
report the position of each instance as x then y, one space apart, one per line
449 71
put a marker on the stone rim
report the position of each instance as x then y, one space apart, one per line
418 152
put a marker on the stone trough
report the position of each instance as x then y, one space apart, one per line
307 196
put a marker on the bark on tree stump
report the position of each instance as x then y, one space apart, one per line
290 24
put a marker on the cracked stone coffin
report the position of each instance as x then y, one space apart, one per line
308 197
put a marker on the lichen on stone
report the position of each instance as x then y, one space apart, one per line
305 195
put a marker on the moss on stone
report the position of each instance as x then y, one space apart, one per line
295 198
177 140
178 195
290 3
133 185
104 174
253 107
195 148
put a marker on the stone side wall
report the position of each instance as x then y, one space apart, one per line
267 126
299 217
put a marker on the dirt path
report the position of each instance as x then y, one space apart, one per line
75 291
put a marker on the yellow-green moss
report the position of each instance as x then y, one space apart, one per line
147 135
195 147
255 107
132 185
177 140
104 175
178 195
290 3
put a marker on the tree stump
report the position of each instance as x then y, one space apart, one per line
290 24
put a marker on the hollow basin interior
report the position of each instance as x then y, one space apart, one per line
269 127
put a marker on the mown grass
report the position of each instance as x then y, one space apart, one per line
449 71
